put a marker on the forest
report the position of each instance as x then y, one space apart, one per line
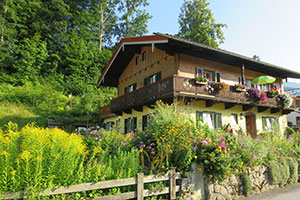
52 53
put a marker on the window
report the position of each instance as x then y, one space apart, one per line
130 88
152 79
248 83
269 123
137 60
265 87
108 125
130 124
213 120
146 120
144 56
234 119
297 120
208 74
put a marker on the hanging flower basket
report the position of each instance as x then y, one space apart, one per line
272 92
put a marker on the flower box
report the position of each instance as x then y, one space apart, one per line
240 89
201 82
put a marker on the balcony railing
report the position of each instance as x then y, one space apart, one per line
173 86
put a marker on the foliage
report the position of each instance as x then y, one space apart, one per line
246 183
196 23
39 158
44 101
273 92
221 86
167 141
278 171
289 132
240 86
258 94
133 20
286 99
201 78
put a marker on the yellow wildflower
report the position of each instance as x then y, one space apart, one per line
13 172
200 169
170 151
4 153
210 176
195 157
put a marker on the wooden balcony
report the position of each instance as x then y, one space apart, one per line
176 86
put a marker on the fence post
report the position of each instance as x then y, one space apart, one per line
172 184
140 186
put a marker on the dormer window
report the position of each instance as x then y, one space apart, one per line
152 79
137 60
144 56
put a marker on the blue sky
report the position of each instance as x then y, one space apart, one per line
268 28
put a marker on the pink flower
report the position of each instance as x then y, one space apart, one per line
132 133
223 139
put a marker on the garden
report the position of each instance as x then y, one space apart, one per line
38 158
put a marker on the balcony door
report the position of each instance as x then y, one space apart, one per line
251 124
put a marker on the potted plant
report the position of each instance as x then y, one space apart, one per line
240 87
221 86
201 80
272 92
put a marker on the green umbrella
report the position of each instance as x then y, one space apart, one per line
263 80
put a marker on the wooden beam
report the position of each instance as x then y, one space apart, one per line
209 103
138 108
229 105
127 111
119 113
243 74
262 108
275 110
247 107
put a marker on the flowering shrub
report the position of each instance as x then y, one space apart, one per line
240 86
201 78
167 142
273 92
260 95
221 86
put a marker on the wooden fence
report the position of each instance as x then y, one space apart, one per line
140 180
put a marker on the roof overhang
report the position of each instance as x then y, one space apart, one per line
128 47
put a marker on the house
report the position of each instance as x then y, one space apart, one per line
163 67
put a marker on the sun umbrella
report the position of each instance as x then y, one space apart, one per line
263 80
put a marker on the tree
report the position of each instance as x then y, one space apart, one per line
197 23
133 20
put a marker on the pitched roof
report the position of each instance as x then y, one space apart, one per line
194 49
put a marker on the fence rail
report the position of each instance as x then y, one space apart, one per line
140 180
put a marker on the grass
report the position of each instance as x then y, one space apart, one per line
19 114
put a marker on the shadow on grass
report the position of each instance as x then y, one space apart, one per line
23 121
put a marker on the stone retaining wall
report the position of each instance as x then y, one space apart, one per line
232 188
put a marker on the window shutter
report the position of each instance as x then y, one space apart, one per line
134 86
199 71
145 81
218 76
264 123
219 120
134 124
158 76
145 122
125 90
199 117
126 125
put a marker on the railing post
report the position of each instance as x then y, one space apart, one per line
172 184
140 186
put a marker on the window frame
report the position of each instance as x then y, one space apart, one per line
130 88
149 80
217 119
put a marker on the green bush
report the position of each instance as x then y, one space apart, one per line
246 183
278 171
293 166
